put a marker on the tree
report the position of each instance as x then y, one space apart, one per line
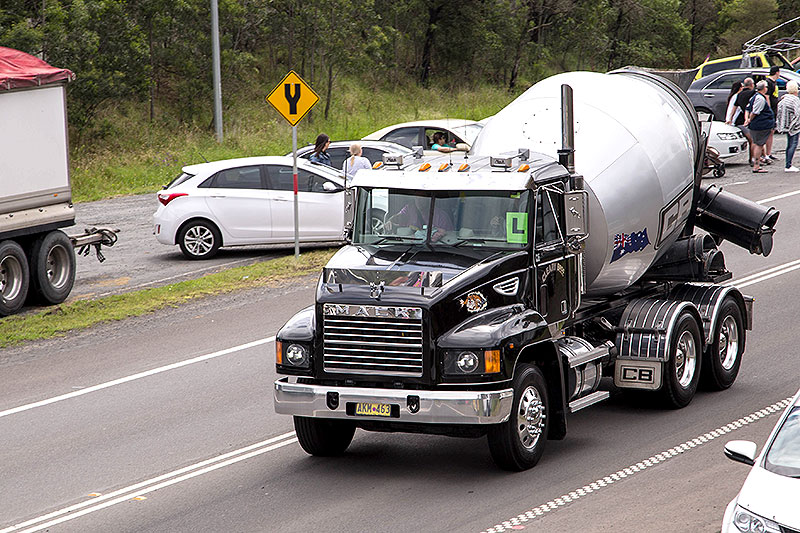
741 20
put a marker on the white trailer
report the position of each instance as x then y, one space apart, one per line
37 260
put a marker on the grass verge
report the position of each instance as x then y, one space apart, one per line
58 320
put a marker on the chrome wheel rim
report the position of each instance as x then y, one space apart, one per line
685 359
57 266
728 343
10 278
530 418
198 240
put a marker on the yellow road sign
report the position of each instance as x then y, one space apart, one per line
293 98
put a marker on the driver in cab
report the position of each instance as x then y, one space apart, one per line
414 215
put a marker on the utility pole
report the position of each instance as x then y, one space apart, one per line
216 70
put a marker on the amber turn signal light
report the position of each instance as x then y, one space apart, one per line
279 352
492 361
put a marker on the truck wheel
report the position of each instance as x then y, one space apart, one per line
724 356
14 277
518 443
323 437
199 239
682 371
52 267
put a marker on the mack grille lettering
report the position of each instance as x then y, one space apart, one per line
367 339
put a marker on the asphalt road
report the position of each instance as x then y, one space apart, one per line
165 423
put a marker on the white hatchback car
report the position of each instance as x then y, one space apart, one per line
249 201
768 501
420 133
728 140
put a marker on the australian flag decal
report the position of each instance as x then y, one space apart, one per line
625 243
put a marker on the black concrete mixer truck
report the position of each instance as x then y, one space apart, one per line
571 252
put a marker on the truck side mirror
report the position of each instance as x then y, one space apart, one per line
576 213
349 213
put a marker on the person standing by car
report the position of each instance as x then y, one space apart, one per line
355 162
320 154
788 121
761 121
742 99
732 111
772 94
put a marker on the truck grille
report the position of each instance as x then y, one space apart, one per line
375 340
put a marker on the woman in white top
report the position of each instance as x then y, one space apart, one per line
355 162
732 111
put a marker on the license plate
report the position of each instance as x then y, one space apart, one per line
373 409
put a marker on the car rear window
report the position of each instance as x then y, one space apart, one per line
722 65
183 176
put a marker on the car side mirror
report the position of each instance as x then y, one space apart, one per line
741 451
330 186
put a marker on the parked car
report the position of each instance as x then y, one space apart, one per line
728 140
710 93
420 133
764 59
249 201
768 499
340 150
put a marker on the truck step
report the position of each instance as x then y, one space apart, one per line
586 401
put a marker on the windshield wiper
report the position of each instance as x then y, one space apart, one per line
461 242
400 238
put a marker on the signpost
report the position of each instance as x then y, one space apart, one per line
293 98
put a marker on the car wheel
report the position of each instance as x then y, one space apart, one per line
682 370
199 239
719 171
518 443
724 355
323 437
14 277
52 267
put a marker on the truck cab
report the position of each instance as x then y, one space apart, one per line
420 323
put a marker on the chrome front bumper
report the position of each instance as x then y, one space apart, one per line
435 407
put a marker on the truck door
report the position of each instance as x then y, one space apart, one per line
554 270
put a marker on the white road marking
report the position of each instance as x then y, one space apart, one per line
133 377
150 485
779 197
783 269
594 486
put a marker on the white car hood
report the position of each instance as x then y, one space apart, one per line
772 496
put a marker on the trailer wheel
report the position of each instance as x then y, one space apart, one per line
324 437
52 267
14 277
518 443
682 370
724 355
199 239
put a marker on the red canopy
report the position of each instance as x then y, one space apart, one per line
18 69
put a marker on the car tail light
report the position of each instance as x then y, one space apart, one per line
166 198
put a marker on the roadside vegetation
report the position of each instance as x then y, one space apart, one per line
58 320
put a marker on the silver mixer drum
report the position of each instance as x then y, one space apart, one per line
635 144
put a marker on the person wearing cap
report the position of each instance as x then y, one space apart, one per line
772 94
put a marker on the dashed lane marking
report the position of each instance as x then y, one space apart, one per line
658 458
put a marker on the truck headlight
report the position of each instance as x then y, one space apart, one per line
748 522
471 362
292 354
467 362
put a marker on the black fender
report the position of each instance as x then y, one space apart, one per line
709 299
544 354
301 327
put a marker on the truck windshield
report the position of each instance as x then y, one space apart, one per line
446 218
